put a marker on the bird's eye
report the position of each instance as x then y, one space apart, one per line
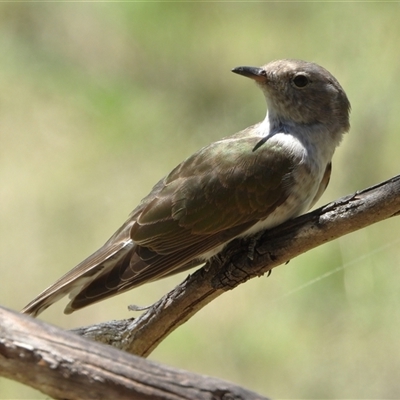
300 81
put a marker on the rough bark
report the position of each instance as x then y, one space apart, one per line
66 366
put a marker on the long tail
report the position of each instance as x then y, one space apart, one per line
99 263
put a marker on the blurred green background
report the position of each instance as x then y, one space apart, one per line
100 100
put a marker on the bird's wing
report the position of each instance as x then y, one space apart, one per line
210 198
222 186
207 200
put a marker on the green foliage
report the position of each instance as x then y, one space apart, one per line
100 100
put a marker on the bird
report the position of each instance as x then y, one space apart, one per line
235 187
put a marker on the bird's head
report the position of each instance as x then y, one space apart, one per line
300 92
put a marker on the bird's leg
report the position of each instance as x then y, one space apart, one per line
253 240
252 248
219 258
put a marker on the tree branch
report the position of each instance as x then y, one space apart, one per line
276 246
66 366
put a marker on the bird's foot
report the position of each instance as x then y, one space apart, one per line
252 245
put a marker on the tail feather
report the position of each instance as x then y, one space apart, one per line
74 281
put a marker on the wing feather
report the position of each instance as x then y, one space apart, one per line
207 200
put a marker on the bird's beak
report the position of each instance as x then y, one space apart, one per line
256 73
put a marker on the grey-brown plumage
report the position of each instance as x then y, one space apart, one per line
255 179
